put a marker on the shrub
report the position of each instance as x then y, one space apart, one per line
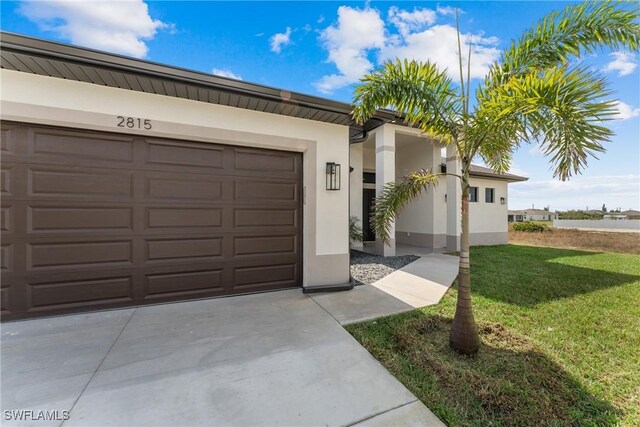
355 231
530 227
578 214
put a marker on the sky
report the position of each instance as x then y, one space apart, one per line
324 48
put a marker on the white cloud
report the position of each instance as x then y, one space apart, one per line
225 73
536 151
626 111
361 33
448 10
114 26
407 22
348 43
623 63
439 44
280 39
578 193
516 170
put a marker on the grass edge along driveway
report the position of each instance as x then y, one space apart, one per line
560 341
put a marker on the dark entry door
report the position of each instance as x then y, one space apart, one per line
368 198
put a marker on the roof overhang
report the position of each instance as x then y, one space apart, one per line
493 175
47 58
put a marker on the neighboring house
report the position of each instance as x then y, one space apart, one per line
127 182
515 216
631 214
615 215
531 215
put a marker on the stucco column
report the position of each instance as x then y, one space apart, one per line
355 186
385 139
454 205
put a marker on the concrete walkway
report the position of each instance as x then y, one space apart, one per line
419 284
268 359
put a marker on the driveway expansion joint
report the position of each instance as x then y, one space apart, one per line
381 412
100 364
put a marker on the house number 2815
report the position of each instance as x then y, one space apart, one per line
133 123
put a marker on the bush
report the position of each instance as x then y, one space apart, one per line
355 231
578 214
530 227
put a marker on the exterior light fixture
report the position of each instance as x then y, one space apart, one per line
503 201
445 198
333 176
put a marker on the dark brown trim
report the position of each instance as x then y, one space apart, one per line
510 178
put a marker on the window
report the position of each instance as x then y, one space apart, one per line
489 195
473 194
369 177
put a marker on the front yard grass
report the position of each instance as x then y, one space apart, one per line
560 336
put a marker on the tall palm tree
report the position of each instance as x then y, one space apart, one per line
535 93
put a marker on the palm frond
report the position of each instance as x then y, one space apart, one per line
578 29
395 196
563 110
419 92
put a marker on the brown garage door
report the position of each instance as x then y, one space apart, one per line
94 220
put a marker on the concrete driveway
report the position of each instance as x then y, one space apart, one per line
267 359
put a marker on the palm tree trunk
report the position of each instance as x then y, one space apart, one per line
464 332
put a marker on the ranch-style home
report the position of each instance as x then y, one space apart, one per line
531 215
126 182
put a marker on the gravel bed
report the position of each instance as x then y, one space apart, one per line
367 268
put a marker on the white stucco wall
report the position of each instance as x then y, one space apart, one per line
488 219
53 101
368 156
427 214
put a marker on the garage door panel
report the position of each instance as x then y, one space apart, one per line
183 249
7 251
76 293
79 254
184 156
8 301
56 146
202 282
66 218
171 218
183 187
266 161
252 190
255 217
85 183
7 215
8 180
8 140
264 274
259 245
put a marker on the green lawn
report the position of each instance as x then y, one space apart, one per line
560 342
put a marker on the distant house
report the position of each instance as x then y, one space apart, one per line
631 214
615 215
531 215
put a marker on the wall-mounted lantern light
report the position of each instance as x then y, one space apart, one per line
445 198
503 201
333 176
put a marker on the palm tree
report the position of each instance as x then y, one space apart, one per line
535 93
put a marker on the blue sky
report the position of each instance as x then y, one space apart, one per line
323 48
